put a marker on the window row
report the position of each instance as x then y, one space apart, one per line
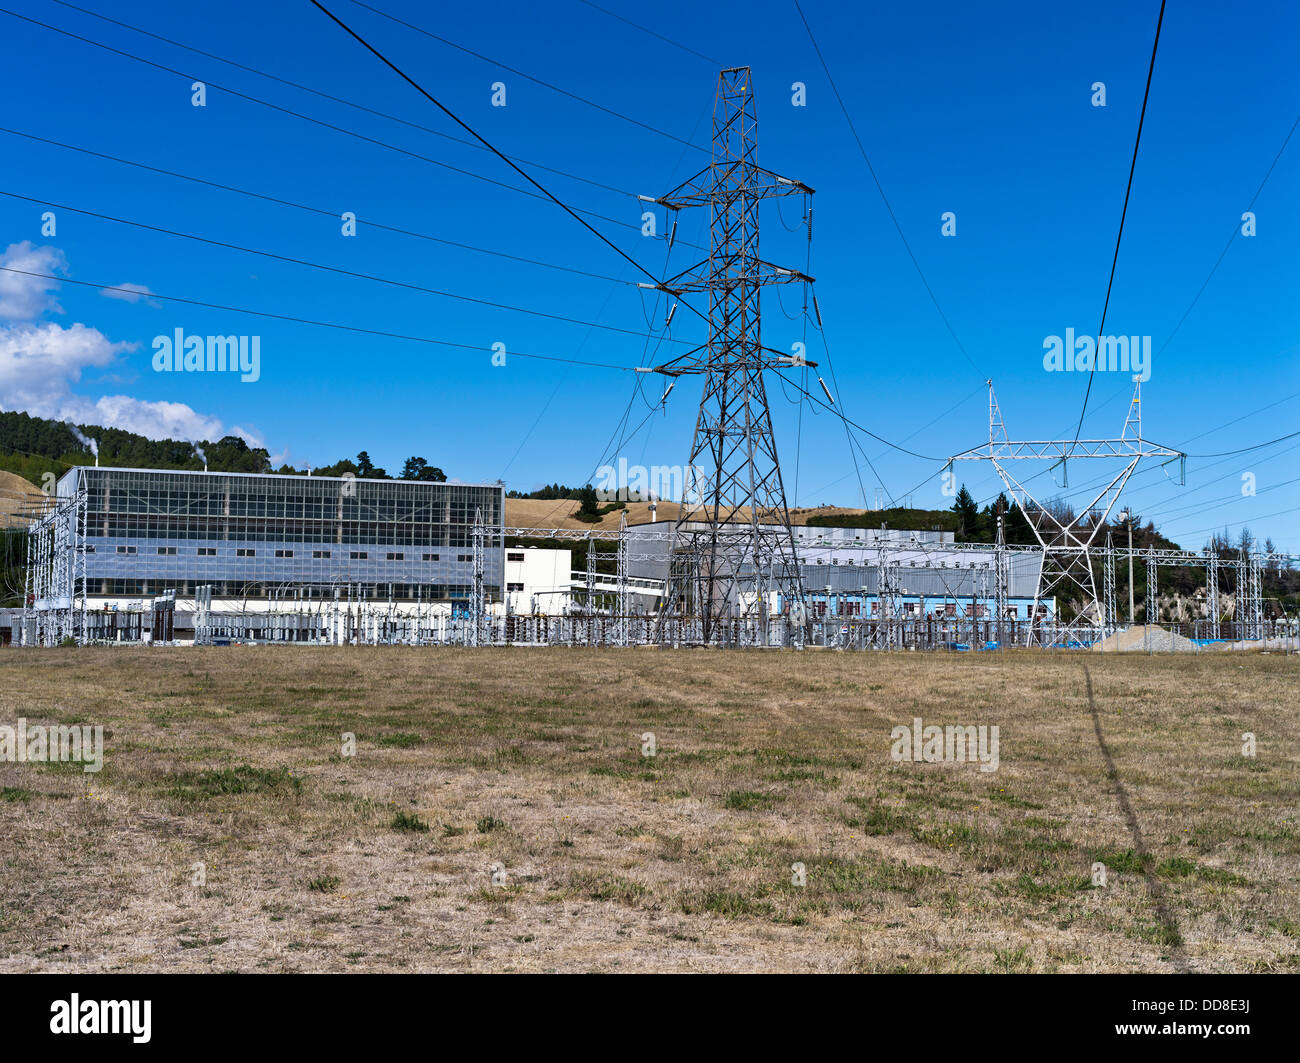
317 555
346 533
284 592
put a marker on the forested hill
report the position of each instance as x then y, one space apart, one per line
32 446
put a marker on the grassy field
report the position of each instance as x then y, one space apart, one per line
531 760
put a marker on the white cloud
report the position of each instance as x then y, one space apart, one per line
24 297
40 362
156 420
130 293
249 435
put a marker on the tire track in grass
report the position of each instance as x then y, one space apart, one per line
1155 888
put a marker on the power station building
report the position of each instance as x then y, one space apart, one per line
136 533
120 554
926 572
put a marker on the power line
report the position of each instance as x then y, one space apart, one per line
321 266
864 431
328 96
321 211
306 321
1231 237
645 347
522 173
1123 214
643 29
528 77
328 125
1227 424
1220 454
1243 523
880 188
830 364
1246 450
1161 505
1276 158
1213 503
913 435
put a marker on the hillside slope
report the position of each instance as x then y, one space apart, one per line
559 513
16 496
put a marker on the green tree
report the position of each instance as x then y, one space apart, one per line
968 515
419 469
588 505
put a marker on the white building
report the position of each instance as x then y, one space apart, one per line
538 580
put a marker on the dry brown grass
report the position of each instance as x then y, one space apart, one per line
559 513
18 498
531 759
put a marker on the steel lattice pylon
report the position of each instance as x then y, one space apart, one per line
1212 604
1250 596
1068 541
1111 615
732 545
1002 579
478 604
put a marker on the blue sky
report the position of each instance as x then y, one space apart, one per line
981 110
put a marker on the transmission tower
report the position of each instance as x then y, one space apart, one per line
1068 539
732 544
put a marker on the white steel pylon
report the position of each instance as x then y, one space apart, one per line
1002 579
478 610
1250 597
1108 580
1212 606
1068 537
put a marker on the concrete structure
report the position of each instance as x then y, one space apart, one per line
538 580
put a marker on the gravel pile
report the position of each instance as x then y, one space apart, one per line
1135 640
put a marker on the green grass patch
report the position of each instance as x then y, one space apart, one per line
1119 860
409 821
225 782
730 904
748 800
878 819
1177 867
